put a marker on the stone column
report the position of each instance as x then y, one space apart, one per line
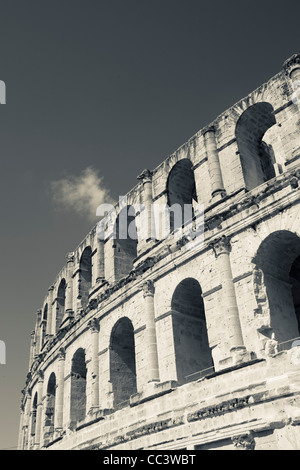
229 306
292 70
100 273
94 371
59 398
69 310
49 330
150 333
217 186
39 412
146 219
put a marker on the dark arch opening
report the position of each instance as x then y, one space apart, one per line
192 351
50 408
181 191
61 300
257 158
122 362
125 242
44 324
33 416
85 267
78 387
278 259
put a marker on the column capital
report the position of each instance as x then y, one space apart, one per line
61 354
221 246
291 64
93 325
146 175
40 375
70 257
210 128
148 288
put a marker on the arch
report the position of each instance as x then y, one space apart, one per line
122 362
278 259
60 305
181 192
125 242
44 324
33 417
257 158
85 267
50 408
37 336
192 351
78 387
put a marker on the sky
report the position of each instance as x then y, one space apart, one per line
96 91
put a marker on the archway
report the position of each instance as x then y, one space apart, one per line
78 387
257 158
278 261
85 267
192 351
60 306
181 192
122 362
125 242
50 408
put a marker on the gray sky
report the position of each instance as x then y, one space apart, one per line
105 88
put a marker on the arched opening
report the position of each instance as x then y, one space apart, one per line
78 388
60 306
122 362
278 259
44 324
257 158
85 267
181 192
33 418
125 242
192 351
37 337
50 409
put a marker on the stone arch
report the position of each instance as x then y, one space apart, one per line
61 301
44 324
33 416
278 261
125 242
50 408
122 362
85 277
181 192
257 158
78 387
192 351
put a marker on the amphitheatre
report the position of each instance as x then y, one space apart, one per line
190 340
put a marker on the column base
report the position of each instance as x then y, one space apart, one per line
238 355
69 316
218 195
152 390
98 413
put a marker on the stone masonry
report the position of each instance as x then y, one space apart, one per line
166 343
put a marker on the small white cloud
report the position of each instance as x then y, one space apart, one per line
81 194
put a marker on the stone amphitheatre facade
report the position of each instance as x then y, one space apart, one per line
172 343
